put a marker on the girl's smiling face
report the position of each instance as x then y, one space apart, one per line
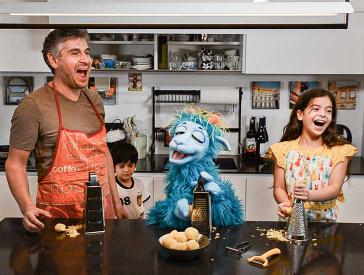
316 117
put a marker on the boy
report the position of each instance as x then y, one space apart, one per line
131 190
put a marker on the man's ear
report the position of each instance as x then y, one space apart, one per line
224 143
299 114
52 60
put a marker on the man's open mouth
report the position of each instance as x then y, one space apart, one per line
83 72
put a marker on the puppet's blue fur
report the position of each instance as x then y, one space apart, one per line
226 207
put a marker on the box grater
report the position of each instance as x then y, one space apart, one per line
94 206
201 209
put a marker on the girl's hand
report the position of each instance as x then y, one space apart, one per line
284 209
301 191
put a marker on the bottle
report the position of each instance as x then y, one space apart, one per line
250 140
94 210
201 209
262 137
162 52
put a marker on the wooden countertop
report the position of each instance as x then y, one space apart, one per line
131 247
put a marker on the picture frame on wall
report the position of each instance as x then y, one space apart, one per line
16 88
345 93
106 87
135 82
265 94
296 88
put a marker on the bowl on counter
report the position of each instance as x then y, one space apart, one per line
185 255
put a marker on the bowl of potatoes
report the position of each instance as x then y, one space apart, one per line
185 245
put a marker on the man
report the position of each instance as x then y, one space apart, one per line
63 122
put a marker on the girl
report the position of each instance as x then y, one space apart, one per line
311 161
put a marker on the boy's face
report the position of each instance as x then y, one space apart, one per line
125 171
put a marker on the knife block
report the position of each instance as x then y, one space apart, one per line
94 206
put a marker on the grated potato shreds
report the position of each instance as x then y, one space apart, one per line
277 235
71 230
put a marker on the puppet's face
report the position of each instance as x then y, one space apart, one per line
190 142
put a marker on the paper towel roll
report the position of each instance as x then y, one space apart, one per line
219 96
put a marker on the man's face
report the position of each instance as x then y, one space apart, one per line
73 63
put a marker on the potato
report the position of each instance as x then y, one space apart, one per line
180 237
173 233
192 244
169 242
180 246
60 227
191 233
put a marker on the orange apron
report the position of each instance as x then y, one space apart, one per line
61 191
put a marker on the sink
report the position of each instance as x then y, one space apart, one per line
225 163
222 163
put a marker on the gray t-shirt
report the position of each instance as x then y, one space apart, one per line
35 122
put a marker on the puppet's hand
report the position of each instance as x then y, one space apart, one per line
182 209
210 185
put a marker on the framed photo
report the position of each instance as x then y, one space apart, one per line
135 82
106 87
16 88
296 88
345 93
265 94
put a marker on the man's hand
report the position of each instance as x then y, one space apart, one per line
31 220
120 212
301 191
284 209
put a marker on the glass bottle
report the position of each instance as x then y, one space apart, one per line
262 137
250 140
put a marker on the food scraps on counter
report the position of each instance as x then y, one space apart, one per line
71 230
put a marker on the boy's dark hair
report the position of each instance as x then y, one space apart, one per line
294 127
58 36
122 152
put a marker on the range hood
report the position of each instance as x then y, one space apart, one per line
208 14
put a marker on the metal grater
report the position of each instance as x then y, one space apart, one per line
201 209
94 210
297 226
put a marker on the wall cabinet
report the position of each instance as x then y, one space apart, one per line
168 52
306 51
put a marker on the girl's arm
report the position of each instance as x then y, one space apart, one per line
279 188
329 192
280 193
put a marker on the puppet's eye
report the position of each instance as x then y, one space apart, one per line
180 130
198 136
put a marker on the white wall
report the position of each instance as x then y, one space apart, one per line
140 104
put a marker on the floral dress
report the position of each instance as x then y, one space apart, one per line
312 167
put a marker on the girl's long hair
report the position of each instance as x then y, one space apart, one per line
294 127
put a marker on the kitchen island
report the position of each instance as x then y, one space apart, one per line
131 247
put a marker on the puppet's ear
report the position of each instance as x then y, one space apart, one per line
225 144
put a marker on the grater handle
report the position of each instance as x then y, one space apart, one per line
271 252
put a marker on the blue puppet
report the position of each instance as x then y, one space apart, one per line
197 138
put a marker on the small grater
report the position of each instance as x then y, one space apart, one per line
94 210
201 209
297 225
